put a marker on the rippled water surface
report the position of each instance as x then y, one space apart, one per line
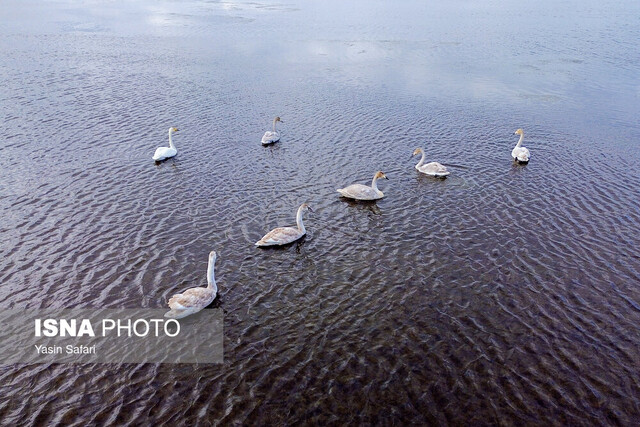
504 294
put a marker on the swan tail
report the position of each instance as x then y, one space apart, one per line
175 314
174 302
158 154
263 242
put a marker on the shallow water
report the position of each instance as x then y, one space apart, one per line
504 294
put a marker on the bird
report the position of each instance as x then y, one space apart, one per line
433 168
194 299
163 153
520 154
363 192
270 137
284 235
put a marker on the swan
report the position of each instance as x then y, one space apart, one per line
363 192
270 137
163 153
194 299
433 168
520 154
283 235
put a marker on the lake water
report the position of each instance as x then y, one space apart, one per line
504 294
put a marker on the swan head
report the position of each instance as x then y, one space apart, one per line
380 174
212 256
305 207
172 129
417 151
519 132
277 119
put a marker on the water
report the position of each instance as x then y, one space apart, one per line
504 294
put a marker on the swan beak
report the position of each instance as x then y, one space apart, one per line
309 207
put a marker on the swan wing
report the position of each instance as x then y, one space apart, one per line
270 137
434 169
189 302
514 152
359 192
194 297
280 236
164 153
521 154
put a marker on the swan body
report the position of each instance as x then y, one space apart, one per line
364 192
194 299
519 153
272 136
163 153
433 168
284 235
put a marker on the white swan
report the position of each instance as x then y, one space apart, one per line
163 153
270 137
364 192
195 299
519 153
283 235
433 168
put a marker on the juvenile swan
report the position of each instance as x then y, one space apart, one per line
433 168
163 153
363 192
520 154
195 299
283 235
270 137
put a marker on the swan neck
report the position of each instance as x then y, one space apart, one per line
299 221
274 125
171 141
211 279
520 140
421 162
374 183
